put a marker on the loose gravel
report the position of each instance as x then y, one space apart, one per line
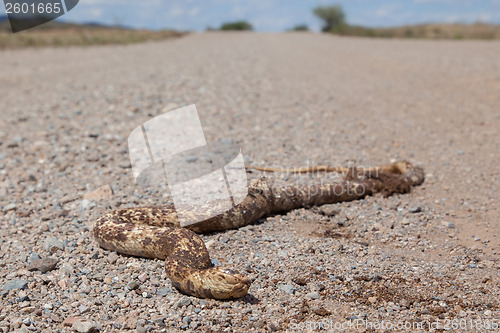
427 259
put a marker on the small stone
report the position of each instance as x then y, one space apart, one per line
415 209
63 283
132 285
53 244
210 243
15 284
186 320
472 265
328 210
67 268
300 280
69 321
143 277
28 309
287 288
282 254
112 258
313 295
164 291
321 311
86 326
159 320
83 308
23 299
102 193
87 204
27 321
43 265
191 159
9 207
183 301
450 225
372 299
33 256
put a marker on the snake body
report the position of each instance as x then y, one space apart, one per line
154 232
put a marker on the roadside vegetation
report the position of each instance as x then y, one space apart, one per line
64 34
334 21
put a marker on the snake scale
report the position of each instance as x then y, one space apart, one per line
154 232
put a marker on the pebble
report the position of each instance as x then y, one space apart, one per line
33 256
86 326
83 308
43 265
415 209
183 301
132 285
53 244
27 321
450 225
164 291
282 254
143 277
87 204
102 193
15 284
112 257
328 210
9 207
313 295
287 288
68 269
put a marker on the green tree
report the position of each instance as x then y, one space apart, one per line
333 17
238 25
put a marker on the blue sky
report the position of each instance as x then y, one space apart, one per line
278 15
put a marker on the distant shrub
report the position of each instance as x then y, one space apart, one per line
238 25
300 27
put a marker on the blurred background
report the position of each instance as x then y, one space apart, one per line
134 21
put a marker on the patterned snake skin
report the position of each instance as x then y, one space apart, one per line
154 232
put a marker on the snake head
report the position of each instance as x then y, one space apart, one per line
228 284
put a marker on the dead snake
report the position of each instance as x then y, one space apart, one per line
154 232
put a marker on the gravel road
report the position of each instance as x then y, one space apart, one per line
429 259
